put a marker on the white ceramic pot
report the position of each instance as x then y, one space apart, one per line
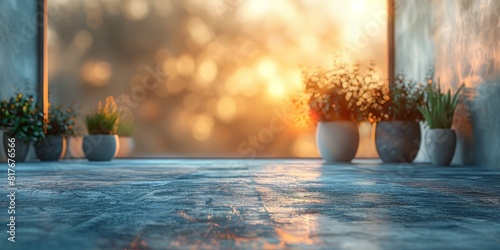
337 141
100 147
126 146
440 144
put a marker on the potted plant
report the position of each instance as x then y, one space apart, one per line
438 111
126 142
61 124
338 98
397 134
21 120
101 143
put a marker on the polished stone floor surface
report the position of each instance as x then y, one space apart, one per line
261 204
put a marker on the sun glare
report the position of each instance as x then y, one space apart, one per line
358 6
276 89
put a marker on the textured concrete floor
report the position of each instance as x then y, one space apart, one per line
264 204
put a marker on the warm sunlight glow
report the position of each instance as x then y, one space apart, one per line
191 102
226 108
202 126
185 65
199 31
276 88
305 145
136 9
358 6
170 66
207 71
267 68
96 73
212 73
296 229
242 82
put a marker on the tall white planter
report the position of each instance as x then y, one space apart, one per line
337 141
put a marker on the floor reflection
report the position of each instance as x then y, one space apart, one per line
295 204
285 200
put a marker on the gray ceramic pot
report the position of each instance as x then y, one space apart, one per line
397 141
51 149
337 141
21 148
100 147
440 144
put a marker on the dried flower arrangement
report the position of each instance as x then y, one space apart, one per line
343 92
404 97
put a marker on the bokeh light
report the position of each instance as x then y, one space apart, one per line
96 73
199 31
83 39
136 9
207 71
226 108
185 65
202 126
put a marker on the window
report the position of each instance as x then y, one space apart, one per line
208 78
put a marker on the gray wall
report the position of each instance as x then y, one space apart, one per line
18 49
460 38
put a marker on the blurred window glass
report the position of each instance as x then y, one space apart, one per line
208 78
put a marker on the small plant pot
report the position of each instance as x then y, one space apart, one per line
52 148
337 141
397 141
21 148
126 146
100 147
440 144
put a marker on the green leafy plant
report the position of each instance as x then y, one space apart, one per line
106 120
61 121
20 117
125 129
439 107
403 100
342 93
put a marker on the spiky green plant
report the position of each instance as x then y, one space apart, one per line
105 121
439 107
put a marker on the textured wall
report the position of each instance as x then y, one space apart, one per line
486 121
461 39
18 48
